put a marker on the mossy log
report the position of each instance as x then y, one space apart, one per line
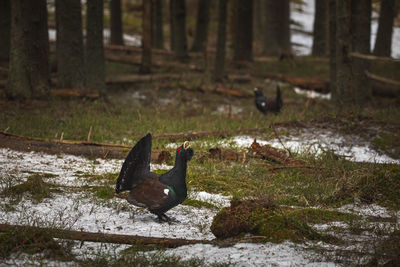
104 238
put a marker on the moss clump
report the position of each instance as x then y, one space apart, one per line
388 143
30 241
260 217
383 188
104 192
35 187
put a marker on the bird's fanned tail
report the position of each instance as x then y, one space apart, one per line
136 165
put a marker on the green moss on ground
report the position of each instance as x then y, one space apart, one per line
34 187
32 242
388 143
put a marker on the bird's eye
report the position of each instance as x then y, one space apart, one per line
179 150
263 104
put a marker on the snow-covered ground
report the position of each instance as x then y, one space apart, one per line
73 209
312 94
304 15
314 141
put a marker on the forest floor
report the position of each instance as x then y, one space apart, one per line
343 194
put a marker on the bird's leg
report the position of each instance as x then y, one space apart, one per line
165 218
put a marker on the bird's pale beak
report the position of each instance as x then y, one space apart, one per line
186 145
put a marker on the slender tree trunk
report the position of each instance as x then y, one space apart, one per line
172 33
361 43
345 90
258 18
203 18
232 24
5 26
116 23
221 41
179 21
276 39
146 40
69 51
95 66
332 47
383 43
320 45
157 24
244 34
29 75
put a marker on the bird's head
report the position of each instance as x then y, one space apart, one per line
258 91
185 151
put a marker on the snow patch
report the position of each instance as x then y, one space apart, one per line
319 141
312 94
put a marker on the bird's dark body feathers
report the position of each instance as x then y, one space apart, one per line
157 193
266 105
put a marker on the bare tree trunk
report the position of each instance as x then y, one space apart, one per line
29 74
203 18
69 51
5 27
276 39
258 18
221 41
332 47
116 23
320 45
345 90
146 40
232 24
383 43
179 22
361 43
244 35
172 24
95 65
157 38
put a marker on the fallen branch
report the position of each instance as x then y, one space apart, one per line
382 79
74 93
136 78
227 154
197 135
104 238
155 63
372 57
235 93
126 48
87 149
272 168
315 84
270 153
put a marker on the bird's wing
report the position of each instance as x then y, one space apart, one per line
150 193
136 166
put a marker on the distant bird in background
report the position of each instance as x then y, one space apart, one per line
264 104
157 193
